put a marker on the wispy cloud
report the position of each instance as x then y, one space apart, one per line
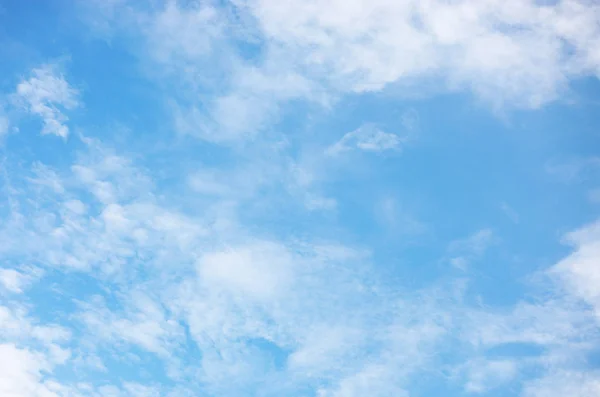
265 308
483 375
523 56
368 138
467 250
47 95
574 170
241 270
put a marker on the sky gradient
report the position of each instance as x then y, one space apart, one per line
304 198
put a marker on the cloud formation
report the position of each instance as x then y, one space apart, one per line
46 94
235 247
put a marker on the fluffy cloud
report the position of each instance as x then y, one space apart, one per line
521 51
187 279
26 371
21 373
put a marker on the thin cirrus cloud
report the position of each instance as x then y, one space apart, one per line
233 245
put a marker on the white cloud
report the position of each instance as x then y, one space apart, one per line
551 323
334 325
465 251
368 138
47 94
519 51
565 383
210 182
122 220
580 271
260 175
377 379
44 176
101 15
138 390
574 170
14 281
391 213
295 297
318 202
28 354
143 323
324 346
21 373
16 325
484 375
247 104
188 34
261 270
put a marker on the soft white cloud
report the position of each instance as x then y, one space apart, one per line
177 34
329 321
368 138
16 325
138 390
248 104
144 323
47 94
324 346
296 299
44 176
565 383
12 280
260 270
464 251
100 16
580 271
28 354
484 375
16 281
550 323
236 67
392 214
574 170
21 373
210 182
519 51
318 202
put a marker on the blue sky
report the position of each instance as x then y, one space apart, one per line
299 198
